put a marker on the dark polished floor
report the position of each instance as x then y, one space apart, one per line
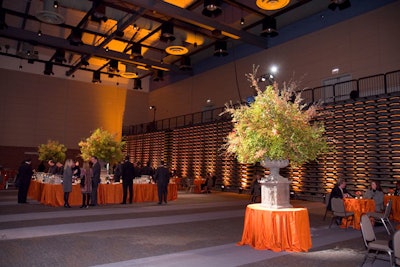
194 230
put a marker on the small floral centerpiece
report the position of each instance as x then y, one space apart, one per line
391 192
275 126
359 194
103 145
52 150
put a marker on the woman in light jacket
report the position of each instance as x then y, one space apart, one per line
67 181
86 184
375 192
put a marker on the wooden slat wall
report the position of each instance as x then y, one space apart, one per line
365 135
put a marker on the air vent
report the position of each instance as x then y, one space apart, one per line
50 14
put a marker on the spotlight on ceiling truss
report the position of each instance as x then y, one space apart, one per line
341 4
212 8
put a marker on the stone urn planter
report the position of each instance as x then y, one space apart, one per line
275 192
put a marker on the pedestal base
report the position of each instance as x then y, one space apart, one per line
275 194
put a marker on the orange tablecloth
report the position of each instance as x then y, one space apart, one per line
198 182
35 190
359 207
276 229
112 193
53 195
395 206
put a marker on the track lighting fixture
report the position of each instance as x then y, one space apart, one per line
136 51
113 66
212 8
99 13
269 27
185 63
137 84
76 37
167 32
48 68
341 4
59 56
96 77
220 49
158 75
55 4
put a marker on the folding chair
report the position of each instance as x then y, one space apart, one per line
384 217
340 212
371 243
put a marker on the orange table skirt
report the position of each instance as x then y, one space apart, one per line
359 207
276 229
198 182
35 190
395 206
53 194
112 193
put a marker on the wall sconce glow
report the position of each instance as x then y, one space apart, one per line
335 70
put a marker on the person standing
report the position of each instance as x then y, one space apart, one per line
67 181
76 170
161 178
52 167
95 179
24 177
127 174
147 170
118 172
41 167
86 184
59 168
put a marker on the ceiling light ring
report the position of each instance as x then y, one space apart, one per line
272 4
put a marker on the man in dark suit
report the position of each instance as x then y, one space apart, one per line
338 191
161 177
95 179
127 174
23 180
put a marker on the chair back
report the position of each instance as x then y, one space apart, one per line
388 209
337 205
367 230
327 198
396 247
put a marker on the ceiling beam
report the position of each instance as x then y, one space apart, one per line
56 42
199 20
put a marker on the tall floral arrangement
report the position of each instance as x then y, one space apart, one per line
52 150
275 126
103 145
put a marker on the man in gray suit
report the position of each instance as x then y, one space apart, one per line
95 179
